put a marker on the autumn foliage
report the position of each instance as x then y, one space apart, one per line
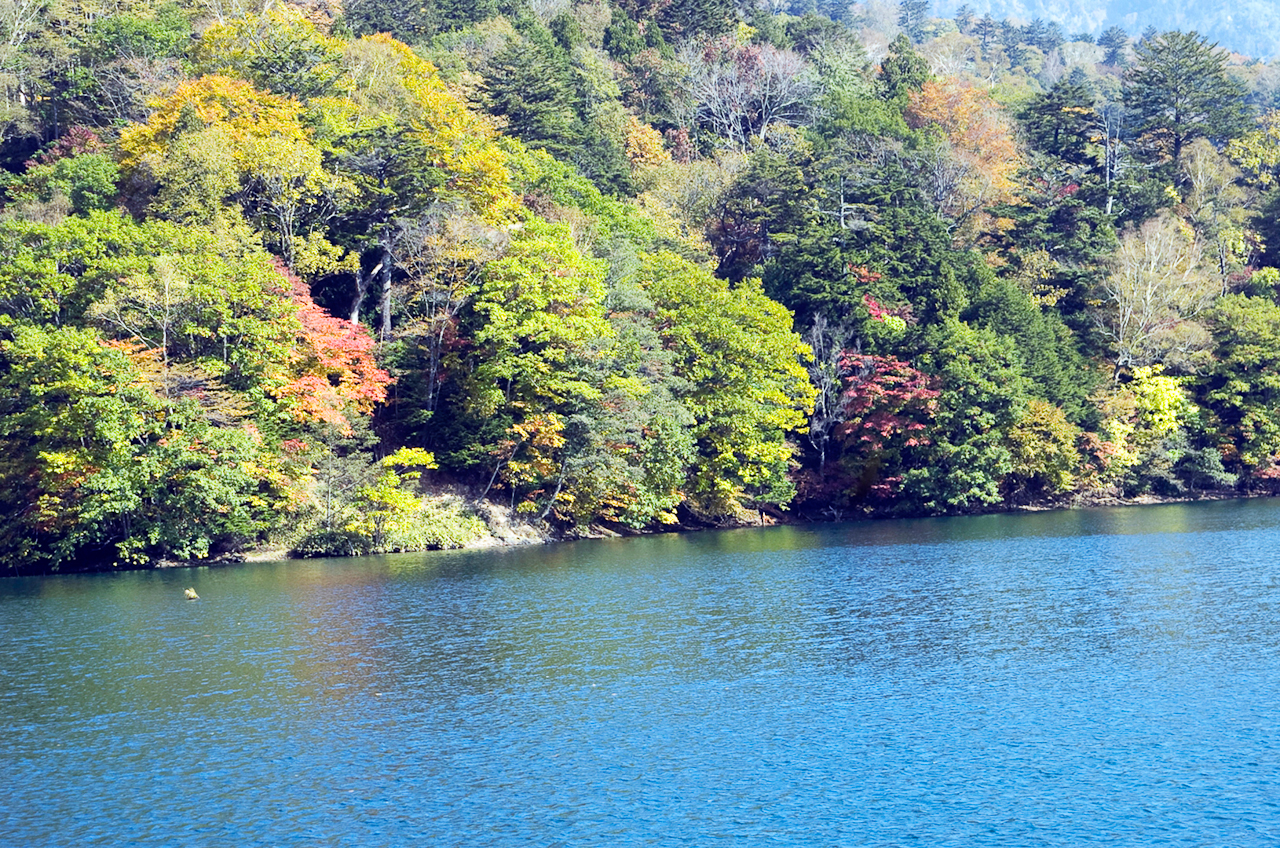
333 366
212 100
887 399
889 405
983 151
530 209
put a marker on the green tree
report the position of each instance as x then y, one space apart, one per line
986 29
912 17
646 444
405 143
1114 41
903 70
1179 89
528 86
206 303
97 468
161 32
1057 244
386 510
1215 206
53 273
746 385
762 211
1050 360
965 456
414 24
1257 152
1241 389
696 17
278 51
1145 431
622 38
72 410
538 307
533 322
1062 122
77 169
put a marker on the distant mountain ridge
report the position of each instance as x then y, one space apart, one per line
1251 27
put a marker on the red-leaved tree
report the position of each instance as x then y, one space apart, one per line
332 367
890 405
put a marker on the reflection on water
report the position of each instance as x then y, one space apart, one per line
1092 677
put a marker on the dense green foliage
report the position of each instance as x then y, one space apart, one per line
330 282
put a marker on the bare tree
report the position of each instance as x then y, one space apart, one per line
127 83
1216 202
223 10
949 56
828 373
20 20
1054 68
783 88
1153 294
717 93
1116 158
740 91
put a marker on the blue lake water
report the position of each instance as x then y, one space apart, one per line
1100 677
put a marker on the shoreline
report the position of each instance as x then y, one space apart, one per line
504 531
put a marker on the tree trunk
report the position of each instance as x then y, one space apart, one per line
362 287
564 470
384 303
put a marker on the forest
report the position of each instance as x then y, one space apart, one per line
1250 27
338 280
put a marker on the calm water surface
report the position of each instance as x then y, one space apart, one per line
1107 677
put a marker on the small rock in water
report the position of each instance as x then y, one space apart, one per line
190 595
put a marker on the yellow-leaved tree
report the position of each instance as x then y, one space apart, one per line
1137 417
217 144
980 158
411 148
390 84
213 100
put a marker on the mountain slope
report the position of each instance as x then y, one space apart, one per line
1251 27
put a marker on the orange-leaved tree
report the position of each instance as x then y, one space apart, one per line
332 367
982 158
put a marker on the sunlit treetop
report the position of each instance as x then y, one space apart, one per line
214 100
279 50
391 89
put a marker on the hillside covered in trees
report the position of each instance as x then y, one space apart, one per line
327 278
1251 27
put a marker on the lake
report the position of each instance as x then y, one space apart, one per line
1107 676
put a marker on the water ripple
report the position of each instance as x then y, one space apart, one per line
1094 678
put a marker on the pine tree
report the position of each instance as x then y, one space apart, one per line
1114 40
912 16
1180 90
986 30
698 17
1061 121
903 71
527 87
